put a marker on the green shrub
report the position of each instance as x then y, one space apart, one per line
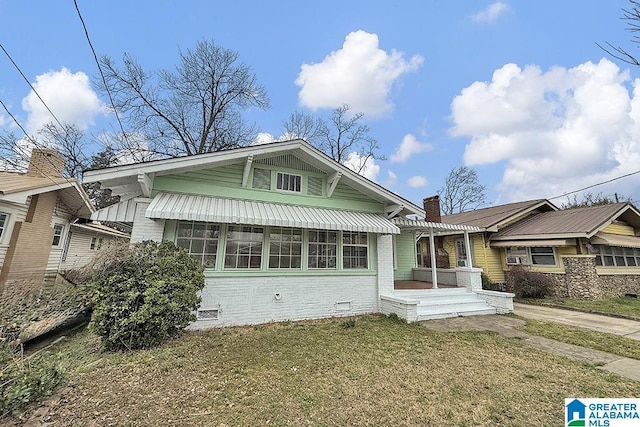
145 296
490 285
528 284
23 381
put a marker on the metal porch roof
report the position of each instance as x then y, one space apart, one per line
233 211
416 224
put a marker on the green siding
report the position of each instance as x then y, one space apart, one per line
405 256
226 181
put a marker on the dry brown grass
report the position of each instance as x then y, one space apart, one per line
379 372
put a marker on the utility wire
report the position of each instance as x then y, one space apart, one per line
31 86
104 80
35 143
595 185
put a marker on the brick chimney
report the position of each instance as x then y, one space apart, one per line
45 162
432 209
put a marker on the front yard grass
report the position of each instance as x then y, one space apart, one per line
602 341
377 371
613 306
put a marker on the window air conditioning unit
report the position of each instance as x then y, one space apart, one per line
514 260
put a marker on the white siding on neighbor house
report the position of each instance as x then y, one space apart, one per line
17 213
55 256
255 300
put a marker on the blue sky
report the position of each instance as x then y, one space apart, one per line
518 90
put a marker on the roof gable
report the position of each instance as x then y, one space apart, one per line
495 217
579 222
135 180
17 187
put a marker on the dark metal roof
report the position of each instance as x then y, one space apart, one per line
582 221
496 215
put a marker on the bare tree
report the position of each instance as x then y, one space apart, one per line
632 16
70 142
339 135
461 191
590 199
192 110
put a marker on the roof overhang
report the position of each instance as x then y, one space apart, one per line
615 240
70 191
532 243
438 228
100 229
136 180
232 211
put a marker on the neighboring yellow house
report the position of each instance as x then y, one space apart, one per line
591 251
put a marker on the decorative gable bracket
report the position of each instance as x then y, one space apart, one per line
247 169
393 210
146 183
333 182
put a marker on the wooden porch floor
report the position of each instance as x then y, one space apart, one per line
414 284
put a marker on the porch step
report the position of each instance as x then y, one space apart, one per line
443 303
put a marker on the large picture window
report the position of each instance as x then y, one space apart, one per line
200 239
323 249
355 250
244 247
614 256
285 248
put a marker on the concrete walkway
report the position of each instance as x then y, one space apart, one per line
611 325
511 327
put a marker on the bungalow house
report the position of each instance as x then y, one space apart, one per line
591 252
40 229
285 233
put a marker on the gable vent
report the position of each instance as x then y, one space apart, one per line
288 161
315 186
261 179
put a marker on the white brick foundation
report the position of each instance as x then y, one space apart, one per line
255 300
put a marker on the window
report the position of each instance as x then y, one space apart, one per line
614 256
285 248
200 239
288 182
96 243
244 247
4 221
323 249
354 250
57 234
543 256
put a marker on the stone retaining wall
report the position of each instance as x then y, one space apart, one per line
581 280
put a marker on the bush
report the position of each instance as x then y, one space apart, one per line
528 284
23 381
490 285
147 295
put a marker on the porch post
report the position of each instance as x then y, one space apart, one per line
467 246
434 273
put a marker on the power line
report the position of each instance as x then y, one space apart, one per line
31 86
595 185
35 143
104 80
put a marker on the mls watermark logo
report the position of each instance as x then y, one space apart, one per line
585 412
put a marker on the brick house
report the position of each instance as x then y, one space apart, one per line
41 224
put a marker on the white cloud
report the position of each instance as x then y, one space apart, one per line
392 179
491 13
263 138
417 181
68 95
366 167
409 147
359 74
557 130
